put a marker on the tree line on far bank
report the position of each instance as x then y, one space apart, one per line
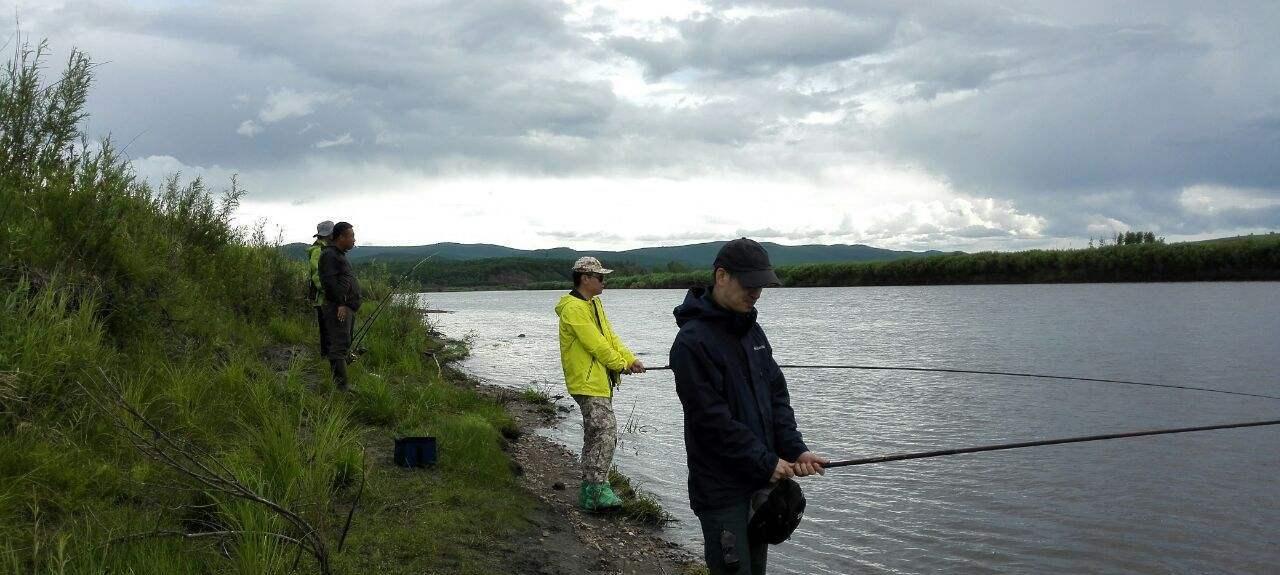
1245 258
1139 258
487 274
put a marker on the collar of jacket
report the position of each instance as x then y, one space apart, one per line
578 295
700 304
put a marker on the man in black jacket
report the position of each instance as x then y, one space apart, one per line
341 299
739 429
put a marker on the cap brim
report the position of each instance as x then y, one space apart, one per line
758 279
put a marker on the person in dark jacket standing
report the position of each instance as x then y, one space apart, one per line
341 300
739 429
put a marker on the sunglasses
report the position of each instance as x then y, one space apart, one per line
600 277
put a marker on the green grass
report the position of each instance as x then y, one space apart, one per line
539 396
107 284
637 505
70 484
535 395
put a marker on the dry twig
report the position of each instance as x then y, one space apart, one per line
207 470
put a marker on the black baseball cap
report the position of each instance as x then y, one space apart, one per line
749 262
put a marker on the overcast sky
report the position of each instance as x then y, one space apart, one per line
611 125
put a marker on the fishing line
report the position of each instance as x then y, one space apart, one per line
364 327
1010 374
1004 446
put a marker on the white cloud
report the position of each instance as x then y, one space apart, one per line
249 129
882 205
1212 200
342 140
1105 227
155 170
286 103
962 218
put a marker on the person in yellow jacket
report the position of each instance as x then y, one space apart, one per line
315 291
593 357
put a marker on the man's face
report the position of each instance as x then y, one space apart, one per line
592 284
731 295
347 240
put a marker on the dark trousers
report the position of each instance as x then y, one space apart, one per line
724 538
338 334
324 333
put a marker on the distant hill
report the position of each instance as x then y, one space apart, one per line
695 255
486 266
1245 258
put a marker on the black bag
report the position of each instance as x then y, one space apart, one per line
415 452
776 512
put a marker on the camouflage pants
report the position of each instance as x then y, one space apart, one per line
599 437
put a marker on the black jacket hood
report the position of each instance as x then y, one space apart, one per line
698 303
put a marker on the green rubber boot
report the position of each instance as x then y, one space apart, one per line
598 497
606 499
586 497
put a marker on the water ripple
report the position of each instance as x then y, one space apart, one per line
1195 503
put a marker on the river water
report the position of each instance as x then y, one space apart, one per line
1204 502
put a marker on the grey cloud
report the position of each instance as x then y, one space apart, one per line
1129 109
1072 111
977 232
659 57
573 235
759 233
907 227
794 235
680 237
406 80
759 44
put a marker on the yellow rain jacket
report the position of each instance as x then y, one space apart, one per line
589 349
314 290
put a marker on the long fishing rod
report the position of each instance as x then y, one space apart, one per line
1004 446
1011 374
364 327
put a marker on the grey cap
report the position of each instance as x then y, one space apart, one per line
324 229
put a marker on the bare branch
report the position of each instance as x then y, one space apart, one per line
201 535
364 476
206 469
